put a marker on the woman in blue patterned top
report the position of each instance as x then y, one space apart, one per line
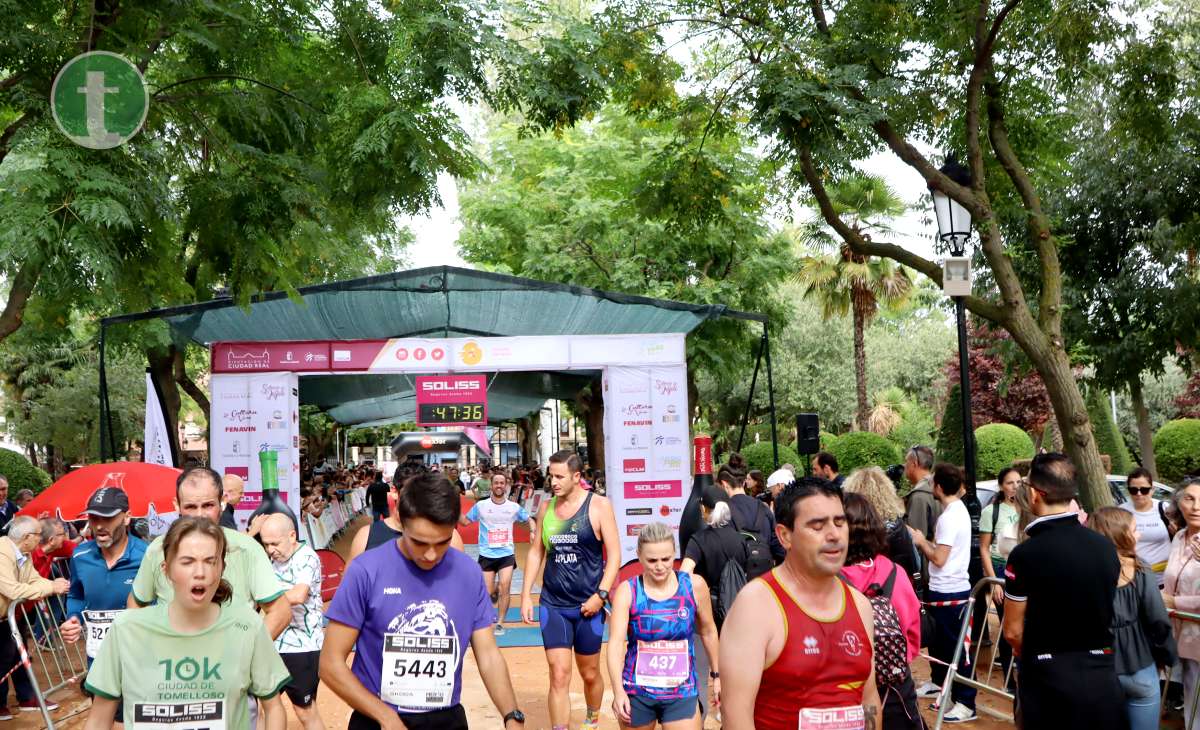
654 619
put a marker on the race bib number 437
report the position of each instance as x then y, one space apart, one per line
418 671
833 718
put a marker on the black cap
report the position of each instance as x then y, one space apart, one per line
711 495
107 502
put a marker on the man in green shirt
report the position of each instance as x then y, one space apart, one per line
247 568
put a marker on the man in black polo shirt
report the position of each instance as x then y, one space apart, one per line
1059 590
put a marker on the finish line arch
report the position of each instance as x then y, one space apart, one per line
255 390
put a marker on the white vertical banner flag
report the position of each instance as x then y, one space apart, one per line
156 441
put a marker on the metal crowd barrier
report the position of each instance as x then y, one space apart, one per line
1192 618
985 686
61 663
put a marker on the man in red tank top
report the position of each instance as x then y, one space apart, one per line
801 639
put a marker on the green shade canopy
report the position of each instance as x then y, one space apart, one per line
440 302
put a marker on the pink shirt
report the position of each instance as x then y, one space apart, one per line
904 598
1182 580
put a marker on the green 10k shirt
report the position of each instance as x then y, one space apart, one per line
174 681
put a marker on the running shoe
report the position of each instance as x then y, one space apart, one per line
499 631
32 706
929 689
5 713
959 713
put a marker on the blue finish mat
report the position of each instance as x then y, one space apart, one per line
518 636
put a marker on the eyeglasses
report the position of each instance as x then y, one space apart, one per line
1140 490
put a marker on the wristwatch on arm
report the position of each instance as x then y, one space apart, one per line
516 715
603 596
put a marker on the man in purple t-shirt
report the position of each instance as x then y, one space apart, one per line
408 609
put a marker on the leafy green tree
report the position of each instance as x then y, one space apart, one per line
51 386
621 204
832 83
1132 288
846 282
283 142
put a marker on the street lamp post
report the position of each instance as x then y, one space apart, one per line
954 229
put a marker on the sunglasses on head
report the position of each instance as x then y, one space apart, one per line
1140 490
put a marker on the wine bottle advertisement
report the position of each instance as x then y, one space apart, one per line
255 413
646 448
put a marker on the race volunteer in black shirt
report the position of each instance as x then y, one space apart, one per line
1059 590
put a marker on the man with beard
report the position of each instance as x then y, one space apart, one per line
810 658
102 570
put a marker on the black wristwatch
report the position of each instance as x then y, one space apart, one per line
515 715
603 595
715 675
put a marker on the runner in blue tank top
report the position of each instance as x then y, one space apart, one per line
654 617
576 529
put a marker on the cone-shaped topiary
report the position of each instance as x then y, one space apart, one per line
1104 430
949 446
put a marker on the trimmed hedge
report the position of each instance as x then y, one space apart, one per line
1177 449
863 448
999 445
758 456
21 473
827 440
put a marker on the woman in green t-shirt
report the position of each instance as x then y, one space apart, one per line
191 663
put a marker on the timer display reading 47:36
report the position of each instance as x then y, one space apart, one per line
459 413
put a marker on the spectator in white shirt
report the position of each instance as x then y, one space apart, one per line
1155 530
949 556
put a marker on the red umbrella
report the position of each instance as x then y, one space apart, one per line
146 485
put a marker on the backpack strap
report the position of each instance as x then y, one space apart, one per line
890 583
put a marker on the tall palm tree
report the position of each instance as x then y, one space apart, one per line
843 282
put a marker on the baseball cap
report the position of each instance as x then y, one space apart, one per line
780 476
107 502
711 495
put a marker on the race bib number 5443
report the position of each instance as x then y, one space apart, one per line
418 671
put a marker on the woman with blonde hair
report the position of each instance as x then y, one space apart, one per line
656 617
873 484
